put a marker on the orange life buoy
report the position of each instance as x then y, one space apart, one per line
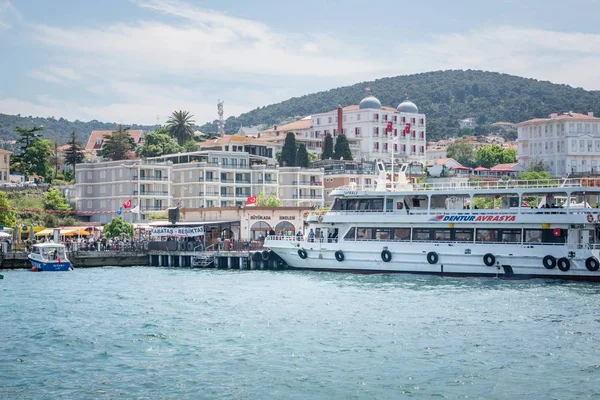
399 205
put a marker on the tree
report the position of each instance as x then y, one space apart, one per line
181 126
55 201
535 175
158 144
8 217
302 156
28 136
268 201
37 158
342 148
327 148
537 165
74 154
462 152
117 144
488 156
288 152
312 157
190 145
117 227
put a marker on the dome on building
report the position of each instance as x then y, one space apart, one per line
370 102
408 106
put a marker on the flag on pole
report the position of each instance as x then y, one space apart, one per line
389 127
251 201
127 204
120 211
136 209
407 128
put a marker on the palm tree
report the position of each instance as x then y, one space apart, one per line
181 126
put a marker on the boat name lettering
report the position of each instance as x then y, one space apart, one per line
350 192
479 218
253 217
287 218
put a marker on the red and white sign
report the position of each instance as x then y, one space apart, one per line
389 127
251 201
127 204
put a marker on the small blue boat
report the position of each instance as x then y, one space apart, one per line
49 257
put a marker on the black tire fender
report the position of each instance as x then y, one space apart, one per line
265 255
592 264
432 257
339 255
386 256
549 262
302 254
563 264
489 259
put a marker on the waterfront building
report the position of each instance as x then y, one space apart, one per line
242 144
301 187
103 188
569 143
4 166
366 128
302 130
467 123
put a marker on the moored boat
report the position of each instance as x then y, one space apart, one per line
49 257
512 229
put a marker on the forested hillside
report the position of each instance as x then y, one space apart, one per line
60 128
444 96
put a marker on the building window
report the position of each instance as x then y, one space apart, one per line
89 190
318 121
358 117
329 120
89 204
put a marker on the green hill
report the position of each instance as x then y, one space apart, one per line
444 96
59 128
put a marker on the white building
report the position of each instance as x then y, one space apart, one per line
467 123
103 187
366 128
568 143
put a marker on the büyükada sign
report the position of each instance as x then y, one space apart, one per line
181 231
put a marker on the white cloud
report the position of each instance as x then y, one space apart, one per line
8 14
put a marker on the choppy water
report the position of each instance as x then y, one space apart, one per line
123 333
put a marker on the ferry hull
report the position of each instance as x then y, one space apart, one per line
51 266
510 261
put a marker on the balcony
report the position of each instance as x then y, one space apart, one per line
227 180
151 193
307 197
208 194
150 178
152 208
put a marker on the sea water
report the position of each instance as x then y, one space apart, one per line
154 333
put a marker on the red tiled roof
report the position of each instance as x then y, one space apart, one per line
92 147
300 125
504 167
481 169
225 139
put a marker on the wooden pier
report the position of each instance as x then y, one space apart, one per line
216 259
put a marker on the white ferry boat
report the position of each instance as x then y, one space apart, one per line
511 229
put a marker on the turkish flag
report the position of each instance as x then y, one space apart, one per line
127 204
407 128
251 201
389 127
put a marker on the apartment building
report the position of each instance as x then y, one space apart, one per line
4 166
301 187
103 187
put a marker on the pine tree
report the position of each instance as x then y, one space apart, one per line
342 148
117 144
302 156
288 152
74 154
327 148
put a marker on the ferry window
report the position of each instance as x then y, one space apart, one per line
351 235
486 235
416 203
377 204
511 235
364 234
353 204
337 205
441 234
402 234
533 235
382 234
554 236
389 204
463 235
421 234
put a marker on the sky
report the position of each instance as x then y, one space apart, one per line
136 61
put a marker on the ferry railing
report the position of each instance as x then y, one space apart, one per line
476 211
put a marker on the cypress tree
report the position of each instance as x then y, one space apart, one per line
288 152
342 148
302 156
327 148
